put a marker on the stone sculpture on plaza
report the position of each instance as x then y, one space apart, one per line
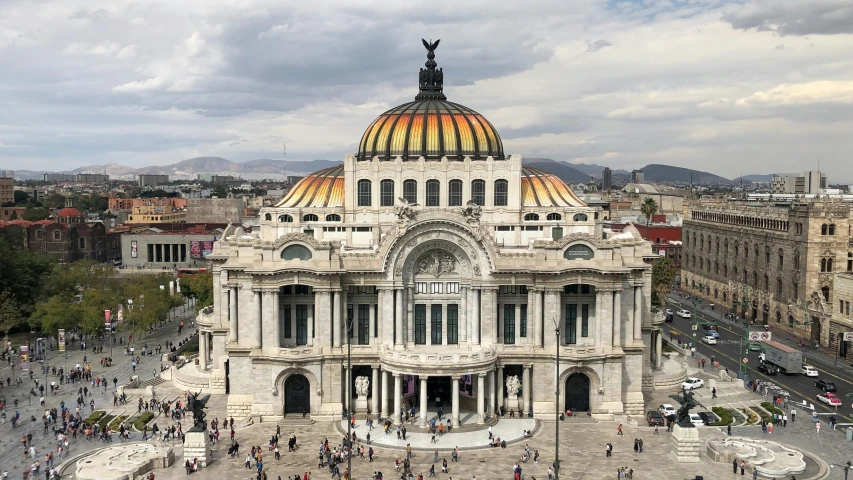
362 390
513 386
683 413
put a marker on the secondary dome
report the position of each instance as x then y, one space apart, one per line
430 127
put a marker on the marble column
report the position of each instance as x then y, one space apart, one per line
492 305
336 319
385 380
345 326
463 315
386 321
424 408
658 349
500 386
202 350
255 334
518 339
540 318
525 388
398 317
271 321
410 317
371 329
481 400
597 324
454 401
324 332
531 317
374 391
617 318
310 321
638 314
491 380
444 323
398 397
380 317
232 315
475 316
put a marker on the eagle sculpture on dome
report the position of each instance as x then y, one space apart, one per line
431 46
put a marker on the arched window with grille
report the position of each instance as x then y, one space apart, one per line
454 193
531 217
410 190
433 193
333 217
554 217
285 219
364 193
478 192
310 218
386 193
501 193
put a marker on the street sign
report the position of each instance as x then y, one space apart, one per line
745 360
61 339
760 336
695 327
848 336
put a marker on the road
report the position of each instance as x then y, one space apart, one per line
728 352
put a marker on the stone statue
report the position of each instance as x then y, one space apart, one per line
472 211
513 386
683 413
436 262
196 405
404 210
362 385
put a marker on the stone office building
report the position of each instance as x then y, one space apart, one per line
446 265
775 263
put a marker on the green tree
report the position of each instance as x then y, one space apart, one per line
199 286
10 313
649 208
663 273
21 197
33 214
60 311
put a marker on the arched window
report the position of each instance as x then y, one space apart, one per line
554 216
745 276
268 217
725 296
779 287
824 229
310 218
767 255
501 193
57 235
708 265
726 271
737 249
828 264
716 268
296 252
755 279
850 262
825 292
531 217
410 191
701 242
333 217
778 316
746 250
386 193
364 193
478 192
796 261
822 264
781 256
766 283
433 193
82 242
454 193
285 219
832 229
580 217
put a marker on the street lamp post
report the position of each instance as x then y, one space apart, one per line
557 409
845 467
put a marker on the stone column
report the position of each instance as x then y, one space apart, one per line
540 317
454 401
518 339
271 323
310 322
444 323
638 314
371 316
475 316
324 332
374 391
380 316
232 315
386 321
398 317
491 379
345 327
292 308
254 334
531 317
500 386
202 350
617 318
424 405
463 314
597 325
658 349
481 400
410 316
385 380
525 388
336 319
398 396
492 305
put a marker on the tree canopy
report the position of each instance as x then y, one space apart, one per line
663 273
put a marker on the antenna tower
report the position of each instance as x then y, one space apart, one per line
284 161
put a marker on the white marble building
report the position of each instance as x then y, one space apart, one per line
452 264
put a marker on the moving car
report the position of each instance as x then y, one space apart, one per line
666 410
692 383
655 418
754 347
825 386
669 318
696 420
713 333
768 368
709 326
710 339
708 417
668 311
829 399
809 371
683 313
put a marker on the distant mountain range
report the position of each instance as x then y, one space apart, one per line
275 170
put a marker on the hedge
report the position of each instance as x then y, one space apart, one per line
751 418
770 408
141 420
105 420
726 416
95 416
117 421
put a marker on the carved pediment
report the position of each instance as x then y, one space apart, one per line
298 237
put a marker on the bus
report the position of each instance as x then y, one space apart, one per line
190 271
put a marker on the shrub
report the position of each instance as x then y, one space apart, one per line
751 418
770 408
95 416
117 421
105 420
141 420
726 416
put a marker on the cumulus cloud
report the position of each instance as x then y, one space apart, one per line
794 17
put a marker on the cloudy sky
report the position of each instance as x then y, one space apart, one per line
724 86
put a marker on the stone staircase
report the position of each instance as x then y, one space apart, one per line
151 382
295 419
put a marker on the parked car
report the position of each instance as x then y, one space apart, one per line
692 383
825 386
708 417
683 313
666 410
768 368
710 339
655 418
829 399
696 420
809 371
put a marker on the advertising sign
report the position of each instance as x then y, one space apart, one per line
107 320
25 357
133 251
61 339
408 385
120 314
171 288
200 249
466 385
760 336
661 252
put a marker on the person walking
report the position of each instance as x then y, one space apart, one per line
714 392
784 420
793 415
641 445
636 445
817 427
742 467
734 466
619 430
729 430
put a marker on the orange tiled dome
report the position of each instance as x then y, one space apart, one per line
544 189
324 188
68 212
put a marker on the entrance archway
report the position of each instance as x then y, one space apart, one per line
297 398
815 333
577 392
